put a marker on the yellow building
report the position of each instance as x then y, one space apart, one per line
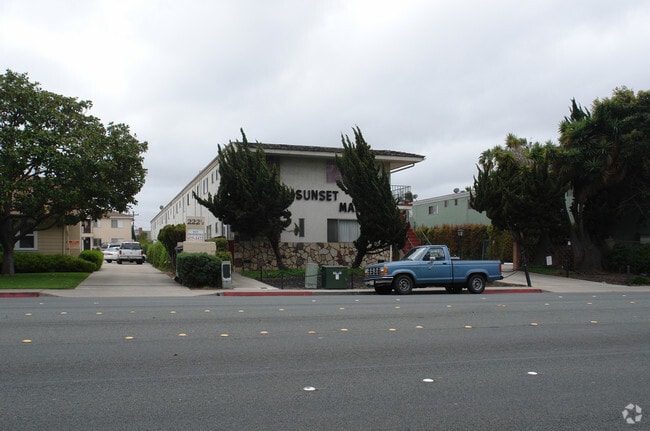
112 229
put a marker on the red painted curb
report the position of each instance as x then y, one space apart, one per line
266 294
514 291
19 294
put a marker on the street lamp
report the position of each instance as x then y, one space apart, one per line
460 232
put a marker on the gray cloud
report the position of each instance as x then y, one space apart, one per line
443 79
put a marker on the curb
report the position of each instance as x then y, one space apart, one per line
19 294
512 291
297 293
351 292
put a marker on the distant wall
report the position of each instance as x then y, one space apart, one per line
249 255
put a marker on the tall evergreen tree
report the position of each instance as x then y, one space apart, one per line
368 184
606 158
251 198
519 192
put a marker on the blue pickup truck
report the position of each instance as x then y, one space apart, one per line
432 265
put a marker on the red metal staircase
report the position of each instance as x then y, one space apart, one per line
411 241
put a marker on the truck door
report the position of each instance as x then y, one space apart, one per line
439 267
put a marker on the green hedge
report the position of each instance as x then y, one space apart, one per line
94 256
198 270
157 256
637 256
36 262
499 243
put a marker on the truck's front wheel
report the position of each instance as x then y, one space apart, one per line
475 283
403 285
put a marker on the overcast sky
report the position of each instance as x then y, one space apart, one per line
443 79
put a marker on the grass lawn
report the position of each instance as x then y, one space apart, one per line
48 280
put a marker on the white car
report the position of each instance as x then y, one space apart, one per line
110 254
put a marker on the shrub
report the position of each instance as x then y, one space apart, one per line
157 256
221 243
198 270
621 255
224 256
170 236
641 258
618 257
94 256
36 262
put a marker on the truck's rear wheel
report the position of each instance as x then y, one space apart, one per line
476 283
403 285
383 290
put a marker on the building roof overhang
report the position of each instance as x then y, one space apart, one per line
396 160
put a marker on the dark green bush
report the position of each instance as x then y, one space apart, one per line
618 257
198 270
224 256
621 255
641 258
157 256
94 256
221 243
36 262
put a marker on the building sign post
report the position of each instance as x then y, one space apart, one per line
194 228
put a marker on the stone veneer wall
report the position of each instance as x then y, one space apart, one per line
252 254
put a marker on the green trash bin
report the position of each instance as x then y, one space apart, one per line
333 277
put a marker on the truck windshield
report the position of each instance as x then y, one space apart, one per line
415 253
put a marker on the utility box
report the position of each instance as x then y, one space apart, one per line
333 277
311 276
226 274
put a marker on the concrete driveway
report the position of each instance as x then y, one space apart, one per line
129 280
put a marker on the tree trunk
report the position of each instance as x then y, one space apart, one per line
275 246
361 253
586 255
7 242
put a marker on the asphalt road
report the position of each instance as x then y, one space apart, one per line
349 362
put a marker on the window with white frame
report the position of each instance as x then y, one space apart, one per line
433 209
28 242
342 230
117 223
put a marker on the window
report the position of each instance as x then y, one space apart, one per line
433 209
85 226
301 227
116 224
456 202
342 230
446 203
29 242
333 172
97 223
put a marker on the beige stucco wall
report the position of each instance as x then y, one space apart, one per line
58 240
102 230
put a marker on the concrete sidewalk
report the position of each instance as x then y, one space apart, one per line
551 283
154 283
